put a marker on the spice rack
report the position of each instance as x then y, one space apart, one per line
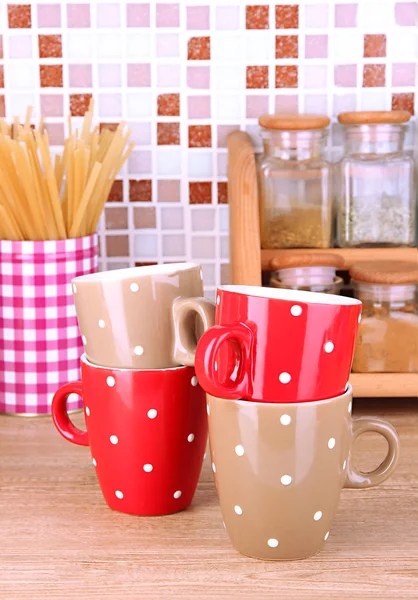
248 260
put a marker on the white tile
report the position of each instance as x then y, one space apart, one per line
22 76
226 16
79 45
138 45
224 218
402 46
348 46
109 45
259 47
228 78
146 245
19 104
168 161
139 104
200 163
374 100
376 16
226 48
228 106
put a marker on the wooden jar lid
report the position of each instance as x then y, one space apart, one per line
293 121
374 117
394 272
308 259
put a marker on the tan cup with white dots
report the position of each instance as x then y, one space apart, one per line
280 468
144 317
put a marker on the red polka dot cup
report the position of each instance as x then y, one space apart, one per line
280 468
278 345
147 432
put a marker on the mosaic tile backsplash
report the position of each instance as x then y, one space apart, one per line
184 74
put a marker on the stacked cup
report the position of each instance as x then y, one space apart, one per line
276 368
145 412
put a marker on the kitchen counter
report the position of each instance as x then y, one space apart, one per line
59 539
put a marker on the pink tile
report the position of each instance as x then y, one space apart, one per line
52 105
223 132
316 46
344 103
168 75
315 76
406 13
346 15
316 16
168 191
227 17
168 45
20 46
138 15
198 77
316 103
110 105
108 15
198 107
198 17
345 75
80 75
56 133
78 15
167 15
141 133
286 104
140 162
256 106
49 15
110 75
139 75
403 74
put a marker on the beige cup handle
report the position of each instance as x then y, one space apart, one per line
357 479
184 311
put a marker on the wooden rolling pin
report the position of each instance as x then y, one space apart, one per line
244 220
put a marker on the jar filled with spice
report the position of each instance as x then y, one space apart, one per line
377 196
387 340
295 182
307 271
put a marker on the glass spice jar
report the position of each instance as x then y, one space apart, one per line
387 340
295 182
310 272
377 197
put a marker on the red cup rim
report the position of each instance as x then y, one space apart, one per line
298 296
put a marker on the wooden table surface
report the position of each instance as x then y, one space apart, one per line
59 539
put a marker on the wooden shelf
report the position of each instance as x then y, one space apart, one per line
350 255
385 385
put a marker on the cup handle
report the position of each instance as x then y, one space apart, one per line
357 479
184 309
61 418
206 367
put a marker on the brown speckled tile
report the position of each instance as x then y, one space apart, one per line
109 126
286 76
19 16
140 190
1 47
145 217
2 107
222 192
374 45
257 77
257 17
374 76
287 46
145 264
117 245
168 134
200 136
404 102
51 75
50 46
168 190
168 105
1 76
116 217
79 103
116 192
200 192
198 48
287 16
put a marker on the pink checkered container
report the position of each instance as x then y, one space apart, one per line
40 342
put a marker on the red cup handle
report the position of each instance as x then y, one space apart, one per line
205 363
61 418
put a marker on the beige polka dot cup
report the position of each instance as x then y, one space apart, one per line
144 317
280 468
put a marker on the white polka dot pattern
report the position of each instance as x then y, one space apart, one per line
101 323
148 468
317 515
331 443
239 450
119 494
296 310
177 494
152 413
87 411
110 381
114 439
134 287
273 543
94 462
329 347
286 479
138 350
285 420
238 509
284 377
326 536
194 381
190 437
